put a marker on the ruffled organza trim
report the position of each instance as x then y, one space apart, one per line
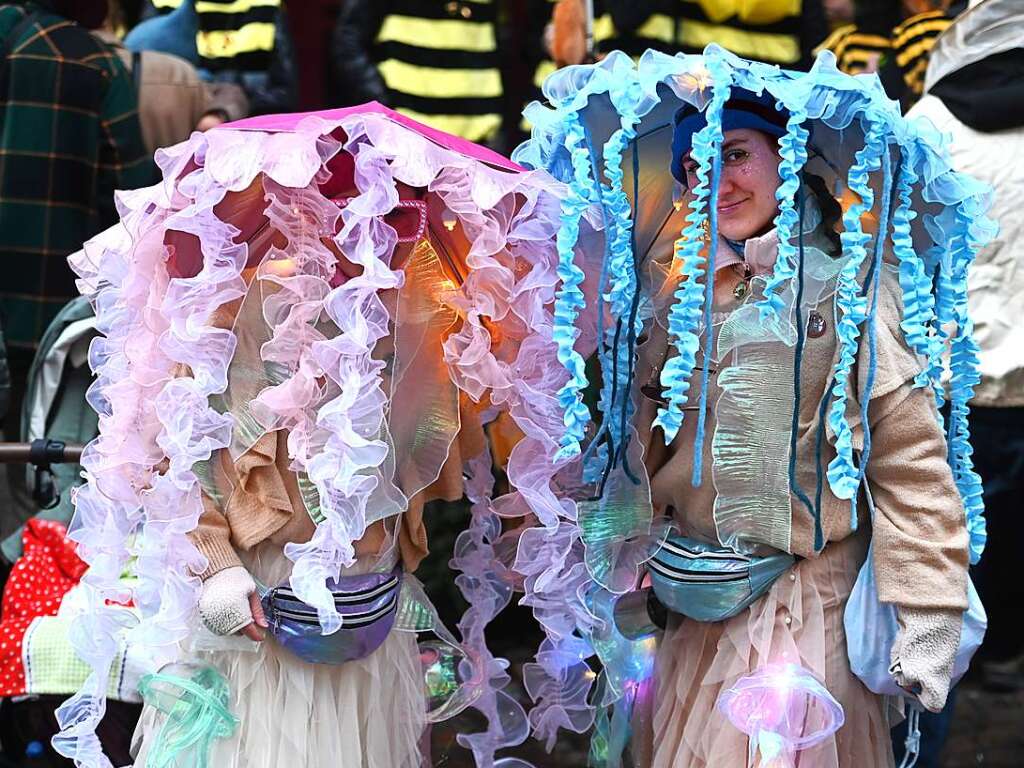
937 220
154 425
157 423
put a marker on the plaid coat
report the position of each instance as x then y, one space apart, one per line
69 136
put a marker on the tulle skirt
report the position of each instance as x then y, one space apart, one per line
368 713
800 620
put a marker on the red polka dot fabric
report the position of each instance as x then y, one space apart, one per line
38 582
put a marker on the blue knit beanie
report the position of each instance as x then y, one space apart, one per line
744 109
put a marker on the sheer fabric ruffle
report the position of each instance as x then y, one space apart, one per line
362 714
799 621
262 197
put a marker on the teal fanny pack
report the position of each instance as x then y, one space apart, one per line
711 583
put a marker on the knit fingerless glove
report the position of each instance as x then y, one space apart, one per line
224 602
924 652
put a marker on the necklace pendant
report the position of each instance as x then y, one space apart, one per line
816 324
740 290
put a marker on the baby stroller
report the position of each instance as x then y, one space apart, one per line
55 410
41 666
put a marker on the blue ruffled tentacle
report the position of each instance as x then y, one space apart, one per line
685 314
569 299
596 455
843 475
622 274
622 285
915 282
963 363
872 287
793 151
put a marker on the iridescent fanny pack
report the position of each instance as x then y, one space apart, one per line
711 583
367 603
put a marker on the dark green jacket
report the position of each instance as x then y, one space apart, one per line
69 137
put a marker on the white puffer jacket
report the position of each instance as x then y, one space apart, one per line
996 282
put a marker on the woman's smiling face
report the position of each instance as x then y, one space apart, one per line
746 192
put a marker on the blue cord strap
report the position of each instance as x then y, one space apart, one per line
794 484
915 283
873 282
596 454
620 279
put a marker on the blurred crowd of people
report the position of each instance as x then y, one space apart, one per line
91 89
94 87
122 78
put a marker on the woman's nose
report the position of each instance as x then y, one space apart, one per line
725 183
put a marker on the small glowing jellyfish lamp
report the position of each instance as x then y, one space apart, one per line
784 709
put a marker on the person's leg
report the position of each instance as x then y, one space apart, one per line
29 724
997 436
116 728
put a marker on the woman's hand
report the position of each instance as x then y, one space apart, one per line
229 604
924 651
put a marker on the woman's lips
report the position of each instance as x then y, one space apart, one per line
725 210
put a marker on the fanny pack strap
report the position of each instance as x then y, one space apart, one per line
709 582
263 590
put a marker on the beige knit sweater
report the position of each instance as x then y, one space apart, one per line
260 498
265 504
920 537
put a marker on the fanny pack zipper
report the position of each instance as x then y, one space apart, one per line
343 598
679 549
682 575
352 620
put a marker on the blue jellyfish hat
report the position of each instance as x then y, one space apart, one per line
607 133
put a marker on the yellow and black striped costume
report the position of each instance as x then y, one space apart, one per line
657 31
539 17
912 42
233 34
543 10
856 52
907 49
439 61
765 30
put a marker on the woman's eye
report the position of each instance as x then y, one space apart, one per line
735 156
691 169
